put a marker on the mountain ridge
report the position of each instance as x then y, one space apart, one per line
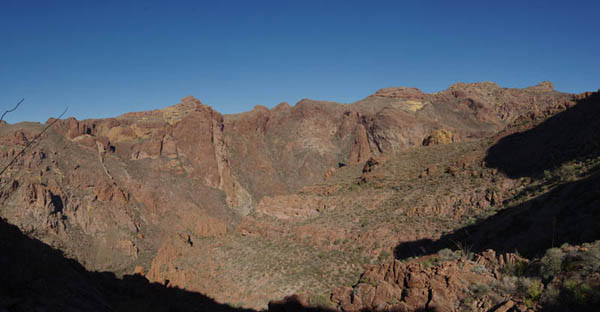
156 189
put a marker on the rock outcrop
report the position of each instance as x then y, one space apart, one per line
118 193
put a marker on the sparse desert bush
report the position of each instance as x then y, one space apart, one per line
527 288
368 280
530 289
550 296
516 269
383 256
479 269
591 259
465 250
578 293
322 300
534 288
431 261
586 294
468 301
507 285
447 255
364 223
548 174
551 263
479 290
567 172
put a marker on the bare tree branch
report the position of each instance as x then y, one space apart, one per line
11 110
31 141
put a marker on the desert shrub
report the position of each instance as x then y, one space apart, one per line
447 255
571 262
368 280
516 269
579 294
570 284
383 256
535 289
520 268
551 263
429 262
465 250
584 294
530 288
591 259
585 245
479 269
507 285
468 301
364 223
322 300
567 172
479 290
550 296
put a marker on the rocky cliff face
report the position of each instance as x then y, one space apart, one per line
156 189
278 151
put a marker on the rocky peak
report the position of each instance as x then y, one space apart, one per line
187 105
480 86
190 102
260 108
400 93
282 106
543 86
190 99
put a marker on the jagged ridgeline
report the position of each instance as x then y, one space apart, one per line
253 207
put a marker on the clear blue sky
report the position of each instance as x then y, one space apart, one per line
104 58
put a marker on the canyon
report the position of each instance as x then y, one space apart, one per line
401 201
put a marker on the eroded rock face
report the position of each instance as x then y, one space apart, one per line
400 93
272 152
412 286
113 193
103 190
440 136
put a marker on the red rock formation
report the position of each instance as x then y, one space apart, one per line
113 192
400 93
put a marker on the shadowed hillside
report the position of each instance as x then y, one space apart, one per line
560 206
569 213
570 135
36 277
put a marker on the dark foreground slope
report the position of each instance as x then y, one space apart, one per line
36 277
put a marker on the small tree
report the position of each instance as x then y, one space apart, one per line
551 263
